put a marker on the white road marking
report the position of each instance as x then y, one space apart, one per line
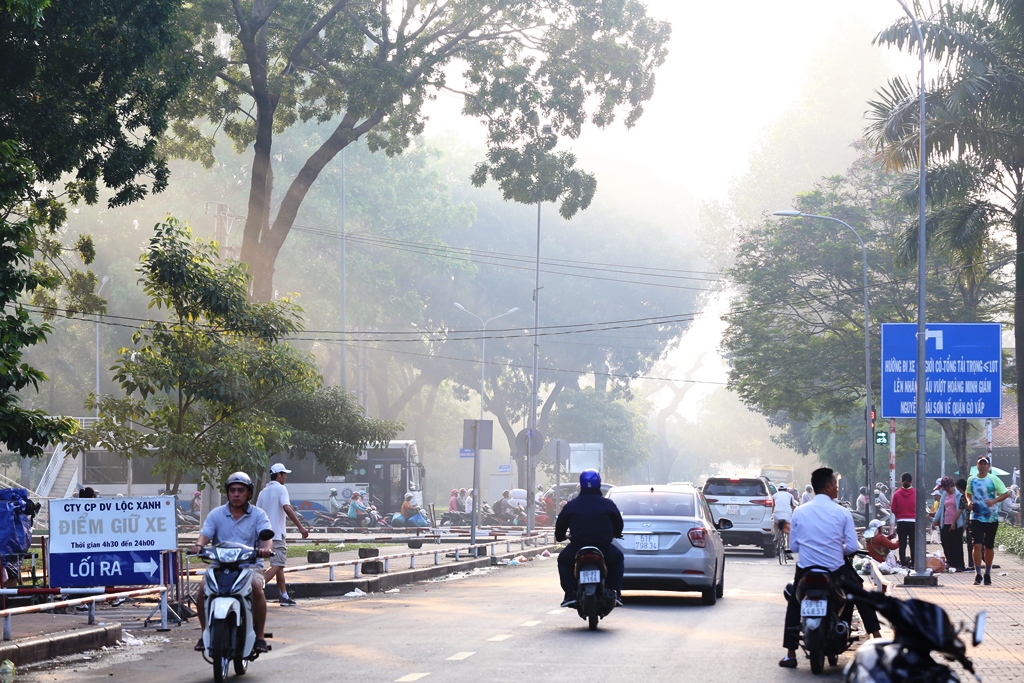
459 656
560 610
499 638
410 677
529 623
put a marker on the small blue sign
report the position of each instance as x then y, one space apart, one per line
504 469
128 568
963 370
466 453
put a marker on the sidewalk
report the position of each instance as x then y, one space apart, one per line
44 636
1000 658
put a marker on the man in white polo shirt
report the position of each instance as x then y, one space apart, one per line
275 502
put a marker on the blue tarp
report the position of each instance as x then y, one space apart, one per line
16 515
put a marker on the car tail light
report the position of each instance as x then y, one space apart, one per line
698 537
710 500
767 502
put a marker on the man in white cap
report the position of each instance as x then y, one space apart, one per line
275 502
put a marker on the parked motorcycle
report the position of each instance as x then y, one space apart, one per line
229 636
593 599
823 634
920 628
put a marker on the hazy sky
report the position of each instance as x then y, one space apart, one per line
732 69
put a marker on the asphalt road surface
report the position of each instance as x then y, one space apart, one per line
499 624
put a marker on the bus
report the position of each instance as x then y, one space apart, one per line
779 474
386 474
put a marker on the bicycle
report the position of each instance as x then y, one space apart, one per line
782 545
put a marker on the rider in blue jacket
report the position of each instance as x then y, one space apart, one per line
591 520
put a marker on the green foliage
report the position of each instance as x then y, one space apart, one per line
563 61
1011 537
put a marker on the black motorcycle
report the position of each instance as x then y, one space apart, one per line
594 600
823 633
920 628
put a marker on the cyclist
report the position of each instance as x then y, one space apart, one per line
785 503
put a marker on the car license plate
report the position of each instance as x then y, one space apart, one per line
813 608
590 576
645 542
732 509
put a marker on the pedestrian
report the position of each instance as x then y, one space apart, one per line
469 500
453 502
462 500
808 494
985 491
904 508
275 502
961 486
950 518
197 503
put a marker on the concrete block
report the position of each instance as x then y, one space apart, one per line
373 567
317 556
368 552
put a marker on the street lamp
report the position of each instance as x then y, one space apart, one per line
103 282
483 347
869 437
922 246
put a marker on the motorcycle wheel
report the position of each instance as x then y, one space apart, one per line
833 660
590 607
815 641
222 648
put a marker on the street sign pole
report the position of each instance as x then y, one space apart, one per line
476 483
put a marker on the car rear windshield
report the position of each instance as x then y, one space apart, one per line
657 503
738 487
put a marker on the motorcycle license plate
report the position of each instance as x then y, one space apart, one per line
813 608
732 509
645 542
590 576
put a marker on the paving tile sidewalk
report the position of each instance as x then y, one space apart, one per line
1000 658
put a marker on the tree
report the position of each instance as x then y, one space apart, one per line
83 90
796 333
974 133
211 390
375 65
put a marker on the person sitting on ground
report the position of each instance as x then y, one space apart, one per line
878 544
238 521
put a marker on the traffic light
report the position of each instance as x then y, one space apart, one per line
872 417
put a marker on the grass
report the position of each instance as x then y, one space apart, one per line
1012 538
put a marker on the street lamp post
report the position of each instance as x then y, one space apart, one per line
477 498
869 437
922 246
103 282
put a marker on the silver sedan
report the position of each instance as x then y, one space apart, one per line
670 540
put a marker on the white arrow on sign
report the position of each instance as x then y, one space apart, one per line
148 567
936 335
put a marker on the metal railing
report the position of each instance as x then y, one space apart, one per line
94 595
52 471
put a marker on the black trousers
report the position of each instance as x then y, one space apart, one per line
791 636
905 531
613 559
953 546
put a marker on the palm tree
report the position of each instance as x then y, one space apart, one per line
974 137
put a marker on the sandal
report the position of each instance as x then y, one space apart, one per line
260 646
200 645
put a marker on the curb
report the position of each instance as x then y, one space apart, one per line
383 582
43 648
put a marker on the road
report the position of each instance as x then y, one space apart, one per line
501 624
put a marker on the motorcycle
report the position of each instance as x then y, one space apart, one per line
823 634
920 628
593 600
229 636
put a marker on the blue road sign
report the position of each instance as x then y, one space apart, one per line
504 469
466 452
963 370
128 568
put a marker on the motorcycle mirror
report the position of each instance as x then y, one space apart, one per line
266 534
979 628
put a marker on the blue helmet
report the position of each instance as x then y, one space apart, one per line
590 480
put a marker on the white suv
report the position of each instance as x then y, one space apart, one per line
747 503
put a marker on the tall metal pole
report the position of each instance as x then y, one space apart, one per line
531 468
922 246
103 283
343 378
869 437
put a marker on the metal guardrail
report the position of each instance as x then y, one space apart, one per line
91 600
357 564
51 472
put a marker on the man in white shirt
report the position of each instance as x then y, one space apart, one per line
785 503
469 500
808 494
822 532
275 502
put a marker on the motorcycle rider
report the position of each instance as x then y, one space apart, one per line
862 501
333 504
822 532
241 522
591 520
